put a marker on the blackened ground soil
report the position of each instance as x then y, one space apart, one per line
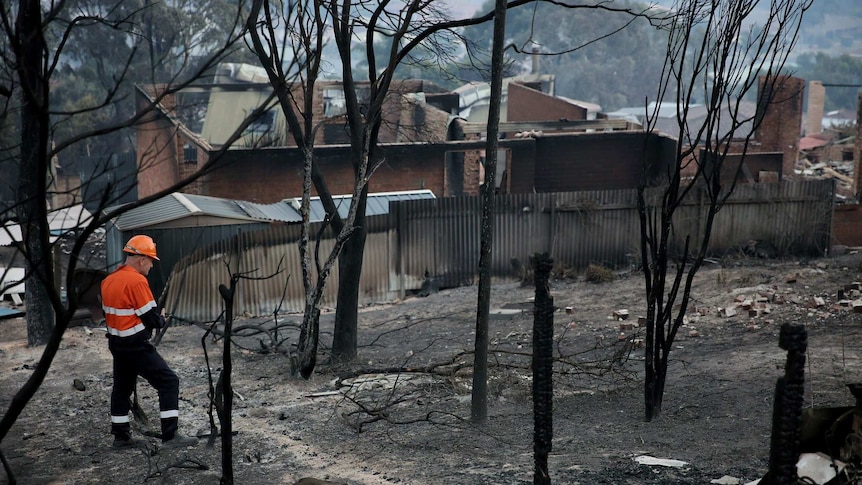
364 424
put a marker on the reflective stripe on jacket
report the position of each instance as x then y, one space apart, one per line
126 295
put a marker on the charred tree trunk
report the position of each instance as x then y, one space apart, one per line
32 212
479 398
344 339
543 369
309 338
225 417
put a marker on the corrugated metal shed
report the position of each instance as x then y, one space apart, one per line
180 224
377 203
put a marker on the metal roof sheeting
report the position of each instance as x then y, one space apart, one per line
377 203
60 222
178 206
280 211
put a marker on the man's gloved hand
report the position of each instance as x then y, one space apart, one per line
153 320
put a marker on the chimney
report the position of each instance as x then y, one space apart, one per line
536 59
779 110
814 118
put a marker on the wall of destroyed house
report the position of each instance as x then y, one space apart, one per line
857 150
752 167
526 104
846 225
191 157
848 217
156 145
268 179
590 161
781 124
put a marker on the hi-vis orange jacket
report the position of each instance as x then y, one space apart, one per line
126 296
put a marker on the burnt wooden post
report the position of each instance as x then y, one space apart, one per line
224 382
543 367
787 409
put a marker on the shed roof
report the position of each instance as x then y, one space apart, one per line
377 204
178 206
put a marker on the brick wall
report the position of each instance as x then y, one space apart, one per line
187 168
781 124
156 150
814 113
847 225
283 179
589 161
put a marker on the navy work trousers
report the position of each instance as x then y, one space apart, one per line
135 356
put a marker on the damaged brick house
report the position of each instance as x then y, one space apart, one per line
831 148
549 144
264 166
426 145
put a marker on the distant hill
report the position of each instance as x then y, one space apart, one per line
833 27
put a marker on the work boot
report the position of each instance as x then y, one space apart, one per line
124 442
179 441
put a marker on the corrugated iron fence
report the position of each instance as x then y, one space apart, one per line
440 238
601 227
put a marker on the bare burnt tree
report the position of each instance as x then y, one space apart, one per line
305 24
35 36
479 400
222 395
408 27
715 57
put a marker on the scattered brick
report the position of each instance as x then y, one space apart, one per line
727 312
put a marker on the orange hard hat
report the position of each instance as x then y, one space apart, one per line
142 246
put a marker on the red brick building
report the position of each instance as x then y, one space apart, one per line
548 145
169 150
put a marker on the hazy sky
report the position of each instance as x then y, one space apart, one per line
464 8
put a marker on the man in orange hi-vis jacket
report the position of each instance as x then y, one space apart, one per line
131 314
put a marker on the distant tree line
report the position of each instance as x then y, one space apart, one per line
614 71
842 69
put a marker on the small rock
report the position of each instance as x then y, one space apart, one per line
79 385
